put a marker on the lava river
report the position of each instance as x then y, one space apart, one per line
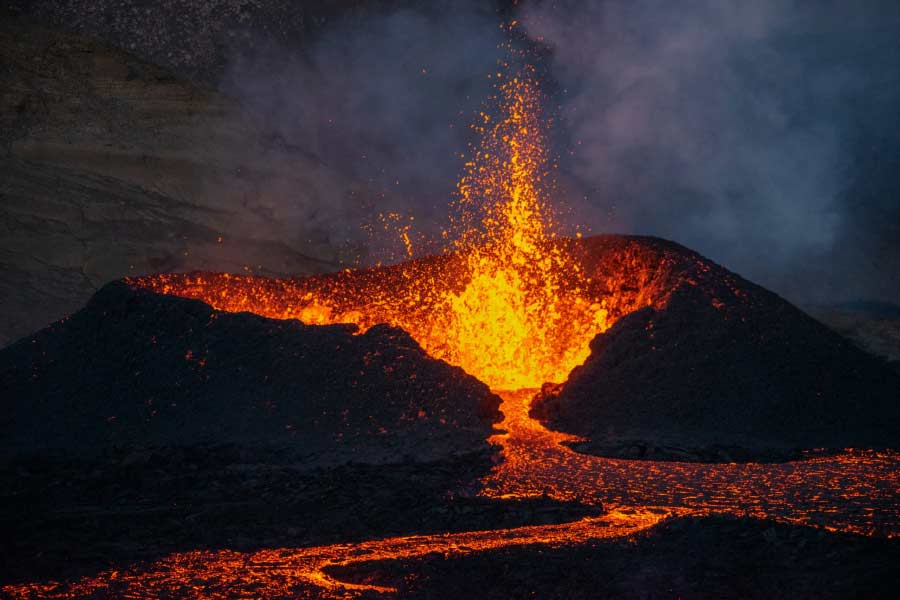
857 492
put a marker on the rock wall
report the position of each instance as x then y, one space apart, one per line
110 166
195 38
135 369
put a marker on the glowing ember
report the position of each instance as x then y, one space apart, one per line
512 326
506 302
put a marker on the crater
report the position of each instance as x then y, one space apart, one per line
670 357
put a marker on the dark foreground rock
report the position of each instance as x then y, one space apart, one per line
714 557
717 369
65 518
137 370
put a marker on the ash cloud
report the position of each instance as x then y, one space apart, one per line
761 134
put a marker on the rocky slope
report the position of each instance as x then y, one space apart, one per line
111 166
714 367
134 370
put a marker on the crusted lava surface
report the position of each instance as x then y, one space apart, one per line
711 557
715 368
64 518
137 369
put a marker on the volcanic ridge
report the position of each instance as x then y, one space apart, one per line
698 364
135 369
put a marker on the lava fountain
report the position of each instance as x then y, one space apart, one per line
506 301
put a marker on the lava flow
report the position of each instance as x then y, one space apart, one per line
304 572
856 492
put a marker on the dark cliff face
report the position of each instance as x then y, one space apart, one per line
722 363
135 369
111 166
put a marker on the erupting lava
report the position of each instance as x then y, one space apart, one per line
506 301
523 318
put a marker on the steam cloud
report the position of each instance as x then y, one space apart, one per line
735 128
762 134
386 99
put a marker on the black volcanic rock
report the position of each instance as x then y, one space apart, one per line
722 370
136 369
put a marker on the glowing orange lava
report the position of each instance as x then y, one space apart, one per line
524 317
303 572
857 491
506 301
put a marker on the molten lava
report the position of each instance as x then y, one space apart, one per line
523 318
506 302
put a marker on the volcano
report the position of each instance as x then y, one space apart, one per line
540 410
135 369
697 364
716 368
633 340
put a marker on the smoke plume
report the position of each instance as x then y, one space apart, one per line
756 133
760 134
